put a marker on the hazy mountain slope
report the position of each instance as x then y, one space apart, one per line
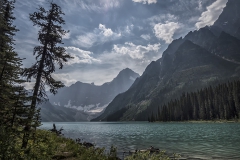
83 101
136 93
53 113
84 94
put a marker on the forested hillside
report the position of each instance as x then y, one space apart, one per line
211 103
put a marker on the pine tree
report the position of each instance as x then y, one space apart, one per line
8 58
47 55
152 119
13 96
10 65
236 97
221 102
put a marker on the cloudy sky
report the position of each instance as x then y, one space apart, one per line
107 36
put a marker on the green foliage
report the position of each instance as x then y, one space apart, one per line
42 147
113 152
12 94
14 99
47 145
8 149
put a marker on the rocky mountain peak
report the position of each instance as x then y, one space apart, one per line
228 21
127 72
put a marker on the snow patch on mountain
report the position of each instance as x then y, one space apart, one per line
98 109
92 108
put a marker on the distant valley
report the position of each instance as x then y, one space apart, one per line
84 101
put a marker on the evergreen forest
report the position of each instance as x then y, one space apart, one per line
211 103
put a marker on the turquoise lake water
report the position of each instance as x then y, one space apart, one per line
191 140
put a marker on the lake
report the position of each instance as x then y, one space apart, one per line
191 140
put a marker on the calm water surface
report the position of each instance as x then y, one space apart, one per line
192 140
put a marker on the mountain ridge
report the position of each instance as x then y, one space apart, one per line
200 59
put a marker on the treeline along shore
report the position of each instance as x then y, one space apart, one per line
212 103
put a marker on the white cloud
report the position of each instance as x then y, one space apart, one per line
193 19
91 6
135 51
109 63
109 4
29 85
99 35
200 7
210 16
163 18
165 31
80 56
147 37
145 1
87 40
105 31
128 28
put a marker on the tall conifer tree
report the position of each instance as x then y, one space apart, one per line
10 64
13 96
48 53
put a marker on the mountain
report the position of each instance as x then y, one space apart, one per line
224 45
84 101
228 21
54 113
200 59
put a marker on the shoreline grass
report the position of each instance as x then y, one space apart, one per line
48 145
